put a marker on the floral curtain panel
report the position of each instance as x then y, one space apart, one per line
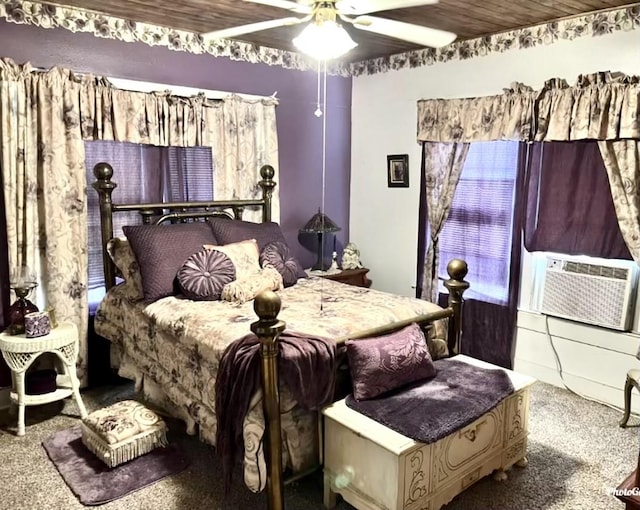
44 187
443 163
44 118
622 161
243 137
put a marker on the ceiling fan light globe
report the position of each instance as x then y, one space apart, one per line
324 40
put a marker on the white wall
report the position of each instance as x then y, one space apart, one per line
384 221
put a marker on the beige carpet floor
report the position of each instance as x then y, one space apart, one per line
576 452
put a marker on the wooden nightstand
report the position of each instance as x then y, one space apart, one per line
357 277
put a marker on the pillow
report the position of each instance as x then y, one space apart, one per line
244 255
162 249
245 289
278 255
125 261
388 362
204 274
232 231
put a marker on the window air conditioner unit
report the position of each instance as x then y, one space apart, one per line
591 293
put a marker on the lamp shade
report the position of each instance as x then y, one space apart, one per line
324 40
319 223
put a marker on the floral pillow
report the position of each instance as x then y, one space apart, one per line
204 274
125 261
385 363
278 256
244 255
245 289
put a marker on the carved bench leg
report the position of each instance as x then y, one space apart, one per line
499 475
330 498
523 462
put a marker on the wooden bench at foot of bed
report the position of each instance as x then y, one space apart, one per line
373 467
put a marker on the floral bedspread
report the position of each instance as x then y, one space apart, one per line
178 343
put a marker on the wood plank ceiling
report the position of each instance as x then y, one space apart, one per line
467 18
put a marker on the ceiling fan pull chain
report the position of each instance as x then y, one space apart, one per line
318 112
324 160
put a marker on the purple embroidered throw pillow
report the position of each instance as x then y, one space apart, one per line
204 274
162 249
388 362
229 231
278 256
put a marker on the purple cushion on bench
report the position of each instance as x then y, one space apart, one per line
385 363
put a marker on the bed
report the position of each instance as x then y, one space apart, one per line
172 347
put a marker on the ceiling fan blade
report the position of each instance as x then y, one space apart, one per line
355 7
417 34
300 8
228 33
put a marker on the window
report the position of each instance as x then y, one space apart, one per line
480 222
143 173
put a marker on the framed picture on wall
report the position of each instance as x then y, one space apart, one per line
398 171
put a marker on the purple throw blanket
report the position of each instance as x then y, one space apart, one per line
306 366
430 410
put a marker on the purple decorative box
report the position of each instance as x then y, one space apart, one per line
39 382
36 324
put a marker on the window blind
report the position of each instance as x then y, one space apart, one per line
143 173
480 221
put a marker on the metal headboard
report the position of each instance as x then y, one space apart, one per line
174 212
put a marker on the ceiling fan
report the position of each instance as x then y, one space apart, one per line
323 38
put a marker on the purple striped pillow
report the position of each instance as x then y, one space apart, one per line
278 256
204 274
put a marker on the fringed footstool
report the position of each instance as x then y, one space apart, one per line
123 431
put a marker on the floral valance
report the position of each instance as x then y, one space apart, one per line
601 106
505 116
108 113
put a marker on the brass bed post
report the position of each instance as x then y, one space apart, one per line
268 329
104 186
267 184
456 285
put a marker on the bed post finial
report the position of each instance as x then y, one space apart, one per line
456 285
104 186
268 329
267 184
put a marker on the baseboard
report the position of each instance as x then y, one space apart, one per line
4 398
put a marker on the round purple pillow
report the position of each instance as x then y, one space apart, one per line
278 256
204 274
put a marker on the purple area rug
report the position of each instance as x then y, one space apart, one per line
93 482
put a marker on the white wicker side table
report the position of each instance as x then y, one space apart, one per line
20 352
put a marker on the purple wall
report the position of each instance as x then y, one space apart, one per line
299 131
